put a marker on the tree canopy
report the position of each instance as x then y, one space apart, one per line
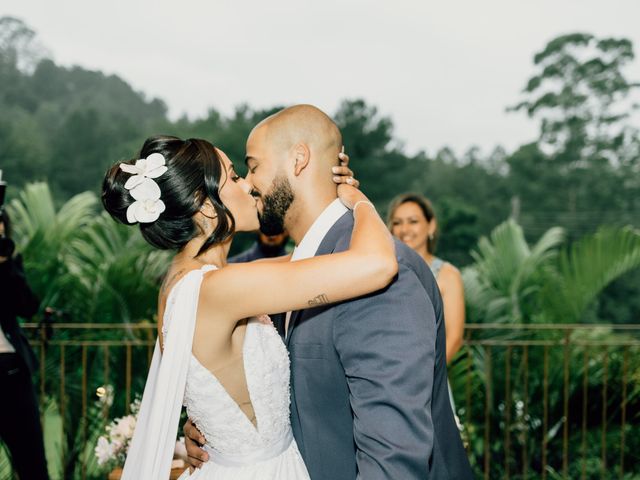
66 125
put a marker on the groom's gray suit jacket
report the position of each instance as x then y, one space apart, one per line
369 380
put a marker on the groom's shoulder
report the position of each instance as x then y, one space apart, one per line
411 265
408 256
339 237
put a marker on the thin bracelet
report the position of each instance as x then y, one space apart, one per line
363 201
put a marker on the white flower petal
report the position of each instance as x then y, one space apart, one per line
148 211
156 172
125 427
141 165
131 217
129 168
103 451
155 160
146 190
133 181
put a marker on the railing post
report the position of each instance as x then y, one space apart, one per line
507 414
623 416
525 459
545 415
605 373
487 412
565 407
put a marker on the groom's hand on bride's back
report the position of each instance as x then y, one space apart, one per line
193 439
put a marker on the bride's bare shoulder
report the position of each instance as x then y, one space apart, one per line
175 273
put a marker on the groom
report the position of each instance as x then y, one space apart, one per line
369 393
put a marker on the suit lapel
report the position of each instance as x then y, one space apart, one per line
327 246
292 322
278 322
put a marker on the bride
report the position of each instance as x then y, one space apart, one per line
217 353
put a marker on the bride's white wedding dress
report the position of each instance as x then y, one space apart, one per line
237 448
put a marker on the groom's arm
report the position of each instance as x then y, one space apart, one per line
386 343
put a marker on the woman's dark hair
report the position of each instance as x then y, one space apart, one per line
427 210
4 218
193 176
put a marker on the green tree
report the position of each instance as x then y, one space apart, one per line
18 45
581 96
64 124
367 137
580 172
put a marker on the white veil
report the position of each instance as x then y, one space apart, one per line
153 443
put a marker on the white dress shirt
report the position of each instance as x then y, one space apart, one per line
311 241
5 345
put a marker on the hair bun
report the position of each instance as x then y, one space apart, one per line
115 198
193 171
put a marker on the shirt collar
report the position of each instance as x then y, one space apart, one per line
311 241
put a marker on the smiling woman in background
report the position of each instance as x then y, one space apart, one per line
412 220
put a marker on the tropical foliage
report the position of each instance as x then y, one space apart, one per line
512 282
550 283
81 262
89 269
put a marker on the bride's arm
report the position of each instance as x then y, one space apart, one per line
281 258
249 289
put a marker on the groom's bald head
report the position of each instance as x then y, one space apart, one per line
289 158
306 125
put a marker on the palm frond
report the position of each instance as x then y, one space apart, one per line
503 277
586 268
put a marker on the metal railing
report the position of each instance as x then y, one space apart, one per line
533 401
550 401
76 362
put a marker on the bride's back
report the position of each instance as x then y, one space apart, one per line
217 342
256 362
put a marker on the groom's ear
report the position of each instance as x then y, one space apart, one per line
301 155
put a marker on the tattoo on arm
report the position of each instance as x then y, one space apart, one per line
319 300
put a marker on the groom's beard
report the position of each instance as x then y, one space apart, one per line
275 206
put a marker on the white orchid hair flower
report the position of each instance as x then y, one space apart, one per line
147 206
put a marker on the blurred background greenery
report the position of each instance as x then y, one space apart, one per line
65 125
544 234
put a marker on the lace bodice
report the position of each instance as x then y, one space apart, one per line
237 449
225 426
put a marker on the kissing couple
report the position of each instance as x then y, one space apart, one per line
347 377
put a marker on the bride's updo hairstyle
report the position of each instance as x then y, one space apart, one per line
193 175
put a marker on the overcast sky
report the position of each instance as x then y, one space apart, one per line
443 71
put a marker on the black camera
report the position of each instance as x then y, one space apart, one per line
6 244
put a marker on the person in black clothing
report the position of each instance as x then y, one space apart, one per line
20 427
265 246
